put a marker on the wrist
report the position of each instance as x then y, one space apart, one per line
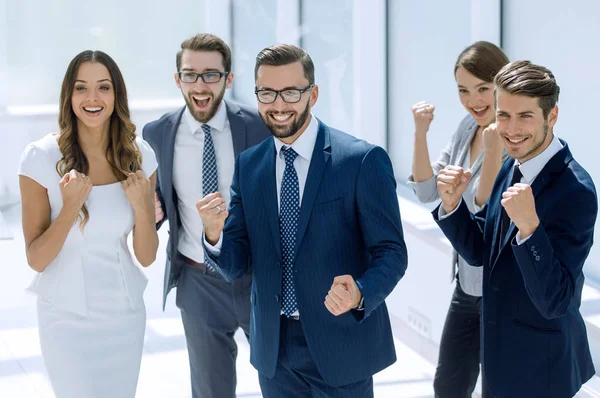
449 207
529 229
211 237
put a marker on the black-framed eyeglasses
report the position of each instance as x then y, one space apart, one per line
207 77
289 95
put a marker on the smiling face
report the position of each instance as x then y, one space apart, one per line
203 99
522 126
477 96
287 121
93 98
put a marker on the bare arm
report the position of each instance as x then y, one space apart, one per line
145 237
492 162
44 240
421 168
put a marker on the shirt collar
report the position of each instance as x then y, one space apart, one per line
304 144
531 168
216 123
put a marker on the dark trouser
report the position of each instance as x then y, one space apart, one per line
459 357
212 310
297 376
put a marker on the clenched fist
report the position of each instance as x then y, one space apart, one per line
423 115
451 184
519 203
492 141
213 210
137 189
343 296
75 188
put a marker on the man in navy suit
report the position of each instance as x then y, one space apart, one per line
314 212
532 238
196 147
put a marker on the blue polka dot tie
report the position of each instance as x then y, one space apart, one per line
210 176
288 224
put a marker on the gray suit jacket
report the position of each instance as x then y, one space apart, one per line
247 130
455 154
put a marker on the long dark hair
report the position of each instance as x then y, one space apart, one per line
122 153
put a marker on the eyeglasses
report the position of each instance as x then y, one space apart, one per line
208 77
289 95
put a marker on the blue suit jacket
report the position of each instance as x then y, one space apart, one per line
349 223
247 129
534 338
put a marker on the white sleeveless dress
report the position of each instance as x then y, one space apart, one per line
91 313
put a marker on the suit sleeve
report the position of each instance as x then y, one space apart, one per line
234 258
464 230
551 260
379 218
148 138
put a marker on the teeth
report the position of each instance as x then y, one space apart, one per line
200 98
516 141
480 109
281 118
93 109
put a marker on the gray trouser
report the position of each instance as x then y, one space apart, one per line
212 310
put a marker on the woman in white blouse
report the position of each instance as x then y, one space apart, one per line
459 356
83 191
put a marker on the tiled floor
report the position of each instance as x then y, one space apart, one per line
164 371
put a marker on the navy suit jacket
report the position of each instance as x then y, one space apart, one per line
247 129
534 338
349 224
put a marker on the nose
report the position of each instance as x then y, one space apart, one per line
513 127
279 104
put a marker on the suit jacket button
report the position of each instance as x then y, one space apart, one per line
537 258
532 248
535 254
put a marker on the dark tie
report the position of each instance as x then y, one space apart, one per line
288 224
505 223
210 176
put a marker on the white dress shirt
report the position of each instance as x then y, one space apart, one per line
187 174
530 170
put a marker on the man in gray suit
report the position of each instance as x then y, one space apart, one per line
196 148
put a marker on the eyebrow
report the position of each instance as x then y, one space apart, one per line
99 81
204 70
479 85
520 113
283 89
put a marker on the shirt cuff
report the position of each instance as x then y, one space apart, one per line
519 240
442 213
361 304
216 249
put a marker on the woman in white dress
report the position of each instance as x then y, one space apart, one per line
83 191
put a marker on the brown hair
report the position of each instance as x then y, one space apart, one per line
206 42
530 80
482 59
285 54
122 153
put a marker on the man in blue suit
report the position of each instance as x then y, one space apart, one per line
532 238
196 147
314 212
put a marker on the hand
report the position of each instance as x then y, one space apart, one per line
158 212
519 203
451 183
492 142
75 188
137 190
213 211
423 115
343 296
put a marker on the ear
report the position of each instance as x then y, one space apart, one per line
229 80
314 95
553 116
177 82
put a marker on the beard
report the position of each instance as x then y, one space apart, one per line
204 116
535 150
289 130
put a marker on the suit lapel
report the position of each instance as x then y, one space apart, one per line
320 158
238 127
554 167
268 183
168 148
